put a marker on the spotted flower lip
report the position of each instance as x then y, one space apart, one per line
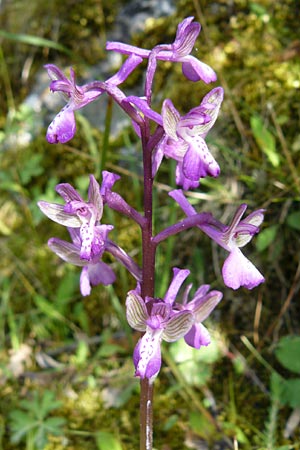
179 51
237 270
165 319
63 126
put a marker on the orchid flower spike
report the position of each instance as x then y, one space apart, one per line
237 270
179 51
63 126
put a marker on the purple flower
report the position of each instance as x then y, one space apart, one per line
77 213
157 319
237 270
201 305
184 140
94 271
163 319
63 127
179 51
89 236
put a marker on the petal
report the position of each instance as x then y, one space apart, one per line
175 149
239 271
192 165
198 162
87 233
136 311
100 273
56 213
195 70
159 310
95 197
85 285
179 275
183 181
256 218
67 251
186 36
170 117
63 126
55 73
178 326
203 306
108 181
68 193
197 336
210 105
147 354
248 227
75 236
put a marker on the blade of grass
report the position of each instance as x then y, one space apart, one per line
34 40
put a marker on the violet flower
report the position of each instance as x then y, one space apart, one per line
77 213
184 140
237 270
63 126
94 271
163 319
89 236
179 51
159 322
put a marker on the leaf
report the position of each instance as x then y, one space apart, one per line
293 220
278 388
288 353
48 308
293 392
31 168
48 403
106 441
266 237
265 140
34 40
21 423
200 424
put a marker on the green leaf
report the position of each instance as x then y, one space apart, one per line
34 40
48 308
293 392
21 424
200 425
288 353
293 220
265 140
31 168
278 388
266 237
106 441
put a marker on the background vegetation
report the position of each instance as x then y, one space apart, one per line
66 376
